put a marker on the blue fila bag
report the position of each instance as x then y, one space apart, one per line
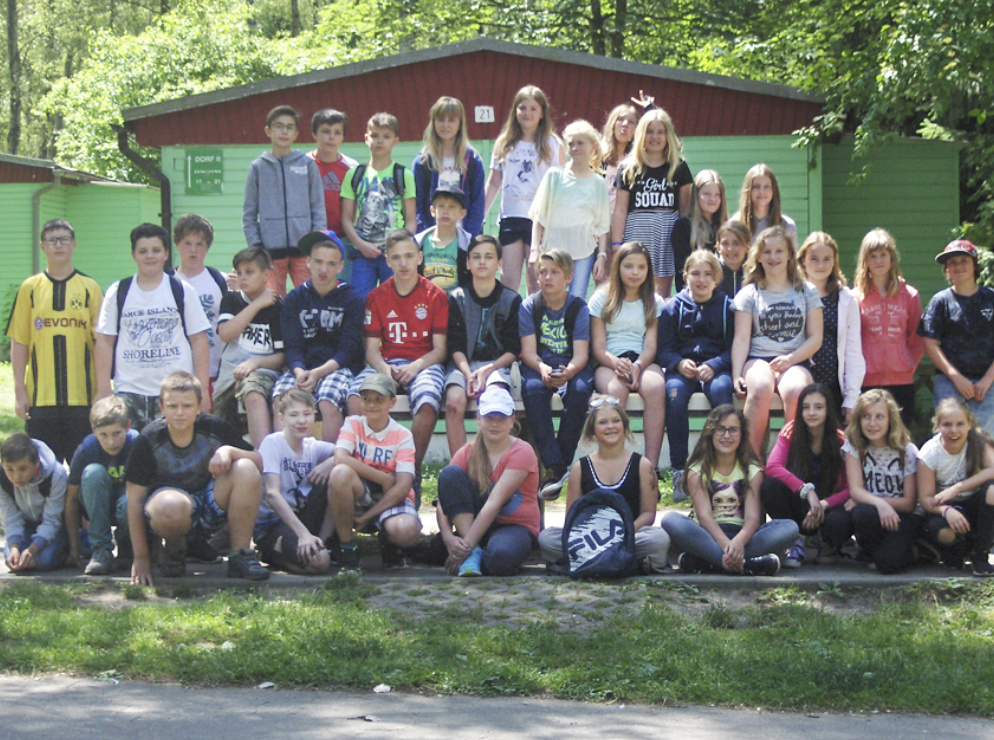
599 536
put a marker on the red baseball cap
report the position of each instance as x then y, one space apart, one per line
958 246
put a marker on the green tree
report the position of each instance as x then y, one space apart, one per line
196 47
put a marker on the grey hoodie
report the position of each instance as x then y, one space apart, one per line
284 200
39 506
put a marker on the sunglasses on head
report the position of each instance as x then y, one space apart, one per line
596 403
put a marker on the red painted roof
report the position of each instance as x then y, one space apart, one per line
478 72
17 169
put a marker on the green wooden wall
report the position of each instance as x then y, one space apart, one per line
912 191
731 156
102 214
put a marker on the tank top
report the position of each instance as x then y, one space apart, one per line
628 487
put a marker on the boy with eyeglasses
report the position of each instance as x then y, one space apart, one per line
284 199
52 331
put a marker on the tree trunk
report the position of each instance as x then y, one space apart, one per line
295 18
620 22
596 28
14 67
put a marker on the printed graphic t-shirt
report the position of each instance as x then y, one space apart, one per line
884 470
779 318
379 207
554 346
150 339
727 494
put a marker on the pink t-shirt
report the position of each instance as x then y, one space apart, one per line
390 450
522 507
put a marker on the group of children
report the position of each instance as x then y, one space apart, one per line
436 314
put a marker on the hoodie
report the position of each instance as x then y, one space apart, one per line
320 328
284 199
38 506
702 332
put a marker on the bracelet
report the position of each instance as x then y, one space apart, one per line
616 244
639 363
943 515
602 254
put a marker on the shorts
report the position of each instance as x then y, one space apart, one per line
207 517
515 229
497 377
426 388
806 364
333 387
141 409
270 530
226 401
366 503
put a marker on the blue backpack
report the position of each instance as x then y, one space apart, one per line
599 536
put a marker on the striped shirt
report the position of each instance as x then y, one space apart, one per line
55 320
390 450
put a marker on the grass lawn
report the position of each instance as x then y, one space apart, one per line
924 648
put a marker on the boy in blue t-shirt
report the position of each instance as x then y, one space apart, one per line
96 475
555 346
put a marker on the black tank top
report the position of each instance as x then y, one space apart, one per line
628 487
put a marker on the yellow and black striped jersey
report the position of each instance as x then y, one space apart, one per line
56 320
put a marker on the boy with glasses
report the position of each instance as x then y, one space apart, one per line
284 199
52 331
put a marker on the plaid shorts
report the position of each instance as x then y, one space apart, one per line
426 387
207 516
333 387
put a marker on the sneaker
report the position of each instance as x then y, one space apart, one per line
393 556
198 550
245 564
795 556
221 541
553 484
174 560
471 566
679 492
101 563
349 560
692 564
765 565
982 567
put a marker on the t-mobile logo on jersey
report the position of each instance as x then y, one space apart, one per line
397 331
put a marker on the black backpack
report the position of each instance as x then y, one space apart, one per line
599 536
122 294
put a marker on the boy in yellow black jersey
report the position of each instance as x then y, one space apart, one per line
51 328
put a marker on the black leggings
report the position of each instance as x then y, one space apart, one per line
980 514
782 503
891 551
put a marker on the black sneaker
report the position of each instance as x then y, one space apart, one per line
174 560
198 550
764 565
692 564
393 556
982 567
349 560
552 486
245 564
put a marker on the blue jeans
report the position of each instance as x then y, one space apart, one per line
983 410
678 392
367 273
537 397
505 546
105 504
53 556
582 270
686 535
